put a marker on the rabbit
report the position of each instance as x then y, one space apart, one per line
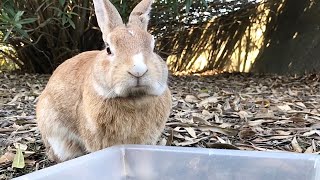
99 99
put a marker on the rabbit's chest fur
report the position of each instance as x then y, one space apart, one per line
123 121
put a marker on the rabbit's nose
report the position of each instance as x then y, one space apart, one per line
139 68
138 71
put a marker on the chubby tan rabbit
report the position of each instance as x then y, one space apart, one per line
102 98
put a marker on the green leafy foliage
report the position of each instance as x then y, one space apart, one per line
44 33
12 20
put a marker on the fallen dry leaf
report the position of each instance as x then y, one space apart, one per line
7 157
203 95
309 150
310 133
246 133
225 131
226 106
30 162
191 132
221 146
188 142
221 140
283 133
191 99
301 105
300 122
201 119
163 142
259 122
276 137
217 119
208 100
295 145
284 107
243 115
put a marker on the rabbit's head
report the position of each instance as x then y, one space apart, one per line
128 67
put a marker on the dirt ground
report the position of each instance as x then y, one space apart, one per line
233 111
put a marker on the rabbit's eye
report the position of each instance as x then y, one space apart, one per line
108 49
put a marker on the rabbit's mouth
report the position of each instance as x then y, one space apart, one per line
137 91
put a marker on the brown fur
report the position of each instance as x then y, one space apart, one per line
75 119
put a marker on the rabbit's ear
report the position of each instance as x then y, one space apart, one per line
107 15
140 14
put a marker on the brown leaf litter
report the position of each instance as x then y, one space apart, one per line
226 111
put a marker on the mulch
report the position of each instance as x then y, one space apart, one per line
225 111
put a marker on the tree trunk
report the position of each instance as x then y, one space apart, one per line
294 45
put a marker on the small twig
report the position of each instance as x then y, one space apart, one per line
170 138
191 125
270 118
301 129
28 118
244 94
26 131
7 130
14 129
303 112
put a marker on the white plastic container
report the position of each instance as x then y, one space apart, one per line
140 162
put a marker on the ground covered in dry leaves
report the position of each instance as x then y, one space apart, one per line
233 111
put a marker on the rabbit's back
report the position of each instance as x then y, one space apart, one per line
65 85
58 104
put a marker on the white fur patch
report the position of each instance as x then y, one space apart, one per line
59 148
131 32
90 124
139 67
158 89
152 42
118 90
58 134
57 142
99 89
102 91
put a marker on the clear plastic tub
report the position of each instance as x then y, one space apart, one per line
174 163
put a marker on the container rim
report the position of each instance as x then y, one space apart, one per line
122 149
